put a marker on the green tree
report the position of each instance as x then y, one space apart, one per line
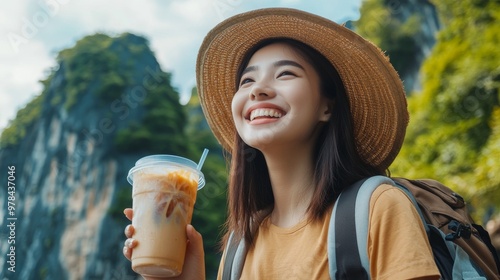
381 22
453 133
161 128
18 127
92 57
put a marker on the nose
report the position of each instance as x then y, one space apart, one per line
260 91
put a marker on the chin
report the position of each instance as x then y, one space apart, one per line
260 141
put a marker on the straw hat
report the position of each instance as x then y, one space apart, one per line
374 89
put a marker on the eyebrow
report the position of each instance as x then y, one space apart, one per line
287 62
275 64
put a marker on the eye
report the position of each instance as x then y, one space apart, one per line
245 81
286 73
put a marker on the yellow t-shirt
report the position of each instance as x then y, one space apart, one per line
397 245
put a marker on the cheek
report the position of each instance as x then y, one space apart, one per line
236 107
236 111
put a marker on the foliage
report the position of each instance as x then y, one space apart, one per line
380 23
453 135
93 58
161 129
17 128
197 129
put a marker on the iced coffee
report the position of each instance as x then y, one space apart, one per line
164 193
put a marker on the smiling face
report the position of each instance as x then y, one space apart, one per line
278 101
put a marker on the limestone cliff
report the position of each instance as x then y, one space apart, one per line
70 166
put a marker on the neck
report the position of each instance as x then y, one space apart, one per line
291 175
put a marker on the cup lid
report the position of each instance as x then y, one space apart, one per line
158 160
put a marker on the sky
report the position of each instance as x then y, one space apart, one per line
32 32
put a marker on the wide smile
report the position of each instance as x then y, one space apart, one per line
265 113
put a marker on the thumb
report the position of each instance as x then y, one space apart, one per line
195 255
195 242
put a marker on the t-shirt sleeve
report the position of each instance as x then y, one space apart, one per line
398 247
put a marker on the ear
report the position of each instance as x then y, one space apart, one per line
326 111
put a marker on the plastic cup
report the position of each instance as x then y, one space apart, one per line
164 191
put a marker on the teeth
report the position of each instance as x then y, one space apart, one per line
265 113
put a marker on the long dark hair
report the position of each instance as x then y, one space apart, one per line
337 162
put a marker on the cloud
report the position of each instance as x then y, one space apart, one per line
288 2
174 28
23 65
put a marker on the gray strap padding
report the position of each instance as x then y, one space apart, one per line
230 252
361 220
239 260
234 259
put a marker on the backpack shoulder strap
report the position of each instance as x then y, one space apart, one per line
350 214
235 257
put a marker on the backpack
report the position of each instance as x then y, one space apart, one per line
461 248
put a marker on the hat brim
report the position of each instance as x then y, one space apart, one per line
375 92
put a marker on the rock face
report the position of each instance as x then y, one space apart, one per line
68 174
430 25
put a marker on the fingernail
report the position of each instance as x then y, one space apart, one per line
125 250
130 242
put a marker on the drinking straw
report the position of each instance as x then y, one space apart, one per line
202 159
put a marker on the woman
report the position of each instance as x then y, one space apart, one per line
306 108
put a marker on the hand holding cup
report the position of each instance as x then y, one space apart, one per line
194 262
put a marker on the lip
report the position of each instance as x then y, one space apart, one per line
263 105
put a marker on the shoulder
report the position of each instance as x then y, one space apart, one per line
408 254
390 206
390 195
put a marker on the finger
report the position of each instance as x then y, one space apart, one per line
127 252
195 240
195 256
129 231
129 213
130 243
